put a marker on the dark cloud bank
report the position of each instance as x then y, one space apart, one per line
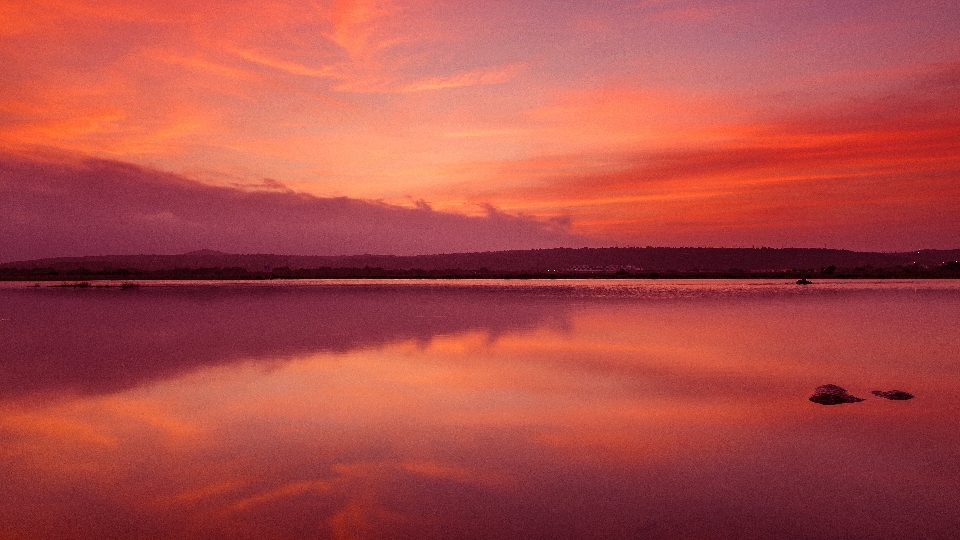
71 207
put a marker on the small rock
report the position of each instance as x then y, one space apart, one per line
831 394
893 394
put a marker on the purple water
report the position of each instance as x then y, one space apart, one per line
522 409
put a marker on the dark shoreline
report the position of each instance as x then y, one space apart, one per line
554 263
213 274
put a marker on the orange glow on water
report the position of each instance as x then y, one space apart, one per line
670 396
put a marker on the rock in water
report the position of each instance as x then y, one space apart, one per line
831 394
893 394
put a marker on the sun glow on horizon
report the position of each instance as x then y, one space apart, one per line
653 123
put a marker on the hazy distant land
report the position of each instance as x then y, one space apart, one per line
637 262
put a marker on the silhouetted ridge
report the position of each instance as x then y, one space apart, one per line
583 260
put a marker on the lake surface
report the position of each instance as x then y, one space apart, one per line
486 409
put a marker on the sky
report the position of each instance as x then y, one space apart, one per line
367 126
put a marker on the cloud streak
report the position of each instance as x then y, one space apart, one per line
629 116
480 77
67 206
879 174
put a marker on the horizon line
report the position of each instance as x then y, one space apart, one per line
214 252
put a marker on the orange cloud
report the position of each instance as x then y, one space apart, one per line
202 64
288 490
329 71
890 162
478 77
356 26
597 113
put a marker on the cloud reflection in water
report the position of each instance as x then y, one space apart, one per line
424 411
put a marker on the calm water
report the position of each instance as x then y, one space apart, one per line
627 409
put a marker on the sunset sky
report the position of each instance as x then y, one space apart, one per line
537 124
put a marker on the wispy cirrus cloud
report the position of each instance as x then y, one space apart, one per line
881 173
325 71
463 79
358 26
199 63
477 77
592 109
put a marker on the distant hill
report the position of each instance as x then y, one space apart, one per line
632 259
